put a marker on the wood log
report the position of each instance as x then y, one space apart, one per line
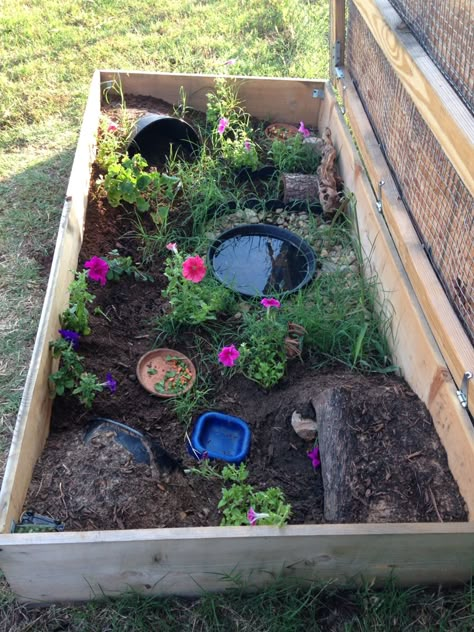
298 186
337 443
330 183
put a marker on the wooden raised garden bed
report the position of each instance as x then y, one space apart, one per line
80 564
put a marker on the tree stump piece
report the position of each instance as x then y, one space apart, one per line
299 186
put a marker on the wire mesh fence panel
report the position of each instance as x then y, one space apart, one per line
445 29
441 207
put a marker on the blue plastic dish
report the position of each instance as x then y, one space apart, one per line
221 436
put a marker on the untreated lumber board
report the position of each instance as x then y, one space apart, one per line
452 340
337 34
273 99
32 424
80 566
413 347
441 108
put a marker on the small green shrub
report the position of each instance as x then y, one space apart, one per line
294 155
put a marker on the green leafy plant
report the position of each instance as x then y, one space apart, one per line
120 266
294 155
130 180
87 388
194 296
71 375
65 378
112 140
238 502
232 133
76 315
262 354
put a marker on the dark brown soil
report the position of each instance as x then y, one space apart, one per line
98 485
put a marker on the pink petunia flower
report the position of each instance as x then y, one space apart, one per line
314 456
98 269
303 130
173 247
270 302
247 145
194 269
229 355
223 123
112 127
253 516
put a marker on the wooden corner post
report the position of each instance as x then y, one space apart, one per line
337 35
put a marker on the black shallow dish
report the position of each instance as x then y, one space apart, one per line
262 260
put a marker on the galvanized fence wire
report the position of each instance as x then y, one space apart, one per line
445 29
436 198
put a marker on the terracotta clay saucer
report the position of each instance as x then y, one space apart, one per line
280 131
166 372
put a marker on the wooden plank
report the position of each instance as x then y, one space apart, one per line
337 34
439 105
414 348
270 99
80 566
453 342
33 419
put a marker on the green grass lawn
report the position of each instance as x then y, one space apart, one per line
49 50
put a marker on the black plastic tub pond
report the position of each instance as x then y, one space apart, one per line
262 260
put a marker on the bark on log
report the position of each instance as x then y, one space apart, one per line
298 186
337 443
330 183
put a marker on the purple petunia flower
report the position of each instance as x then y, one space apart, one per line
247 145
71 336
253 516
303 130
110 383
223 123
314 456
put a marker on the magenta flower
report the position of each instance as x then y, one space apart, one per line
98 269
303 130
173 247
112 127
110 383
194 269
71 336
314 456
229 355
223 123
270 302
253 516
247 145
